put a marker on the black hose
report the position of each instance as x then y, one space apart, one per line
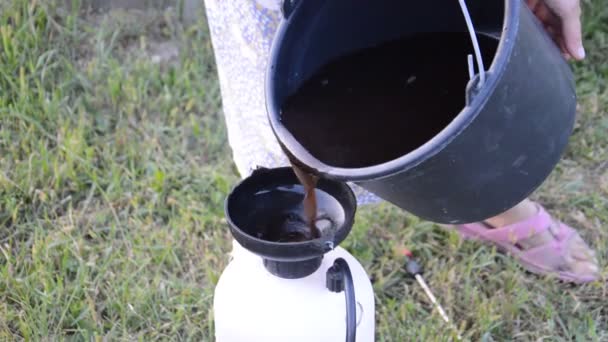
351 304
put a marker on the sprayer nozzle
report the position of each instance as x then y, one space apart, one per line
413 268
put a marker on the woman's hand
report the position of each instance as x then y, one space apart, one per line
562 20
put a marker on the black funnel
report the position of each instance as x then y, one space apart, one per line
265 214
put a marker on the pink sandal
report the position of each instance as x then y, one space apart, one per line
544 259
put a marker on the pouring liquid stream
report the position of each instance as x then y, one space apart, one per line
309 182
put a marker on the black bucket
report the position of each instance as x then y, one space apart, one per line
490 153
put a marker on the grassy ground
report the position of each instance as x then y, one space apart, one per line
114 167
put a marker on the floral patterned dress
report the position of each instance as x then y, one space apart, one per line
241 34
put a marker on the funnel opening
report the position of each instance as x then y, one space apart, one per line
265 215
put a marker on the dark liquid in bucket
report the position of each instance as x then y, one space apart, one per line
281 216
381 103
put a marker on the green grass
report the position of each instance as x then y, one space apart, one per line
114 168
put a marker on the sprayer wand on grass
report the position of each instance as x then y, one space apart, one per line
414 270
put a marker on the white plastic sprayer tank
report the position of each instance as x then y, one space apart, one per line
252 305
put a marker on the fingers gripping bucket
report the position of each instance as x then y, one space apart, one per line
495 150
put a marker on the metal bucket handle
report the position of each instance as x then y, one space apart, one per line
471 28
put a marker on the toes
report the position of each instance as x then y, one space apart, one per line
585 268
581 259
580 251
